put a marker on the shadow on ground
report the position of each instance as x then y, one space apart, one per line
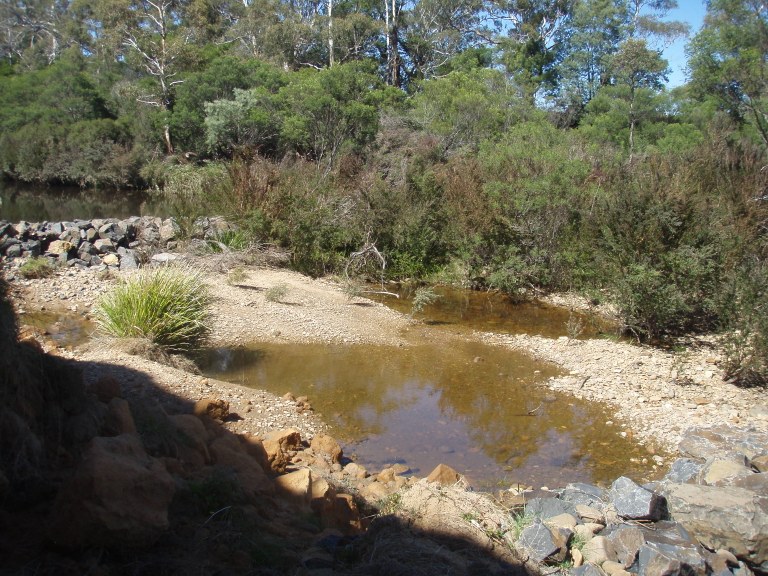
101 478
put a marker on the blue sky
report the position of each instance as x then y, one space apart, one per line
692 12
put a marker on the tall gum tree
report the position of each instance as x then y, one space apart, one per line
151 36
729 58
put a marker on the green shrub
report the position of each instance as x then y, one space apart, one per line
277 292
424 296
168 306
36 268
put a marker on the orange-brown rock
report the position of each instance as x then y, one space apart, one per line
444 475
226 450
106 388
325 444
214 408
192 448
288 439
296 487
276 458
255 447
118 496
120 418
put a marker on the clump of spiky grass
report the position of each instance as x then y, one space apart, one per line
36 268
276 293
168 306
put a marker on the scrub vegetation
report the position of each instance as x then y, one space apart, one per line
518 146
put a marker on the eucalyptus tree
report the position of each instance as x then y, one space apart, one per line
35 32
152 38
728 58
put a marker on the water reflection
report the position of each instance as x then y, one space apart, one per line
40 203
477 408
496 312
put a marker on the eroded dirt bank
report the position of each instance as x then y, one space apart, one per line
656 395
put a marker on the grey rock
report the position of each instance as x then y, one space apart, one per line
549 507
637 503
658 559
723 442
587 494
723 517
14 251
586 570
104 245
87 248
718 472
626 542
683 470
758 411
128 261
544 544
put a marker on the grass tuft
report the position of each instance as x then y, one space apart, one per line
277 292
168 306
36 268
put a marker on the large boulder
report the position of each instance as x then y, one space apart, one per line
723 517
117 497
635 502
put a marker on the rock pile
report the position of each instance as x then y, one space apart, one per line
708 515
107 242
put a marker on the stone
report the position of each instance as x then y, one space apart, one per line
444 475
255 447
683 470
117 497
120 418
562 521
587 531
718 472
214 408
723 442
612 568
276 458
590 514
636 503
587 494
548 507
731 518
577 558
757 483
760 463
164 257
324 444
658 559
598 550
193 436
227 451
543 544
59 247
288 439
375 492
356 471
128 261
296 487
110 259
106 388
104 245
626 542
587 570
168 231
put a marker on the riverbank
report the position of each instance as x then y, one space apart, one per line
257 303
656 395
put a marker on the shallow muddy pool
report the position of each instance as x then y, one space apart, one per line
478 408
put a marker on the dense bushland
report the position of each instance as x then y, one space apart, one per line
524 147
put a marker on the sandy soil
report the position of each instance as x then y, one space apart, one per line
656 395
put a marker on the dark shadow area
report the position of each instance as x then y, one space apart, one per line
102 471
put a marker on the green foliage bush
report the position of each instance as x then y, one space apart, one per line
168 306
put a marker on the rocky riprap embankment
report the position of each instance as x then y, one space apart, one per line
109 242
708 515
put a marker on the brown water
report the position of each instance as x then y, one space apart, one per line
64 328
478 408
495 312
